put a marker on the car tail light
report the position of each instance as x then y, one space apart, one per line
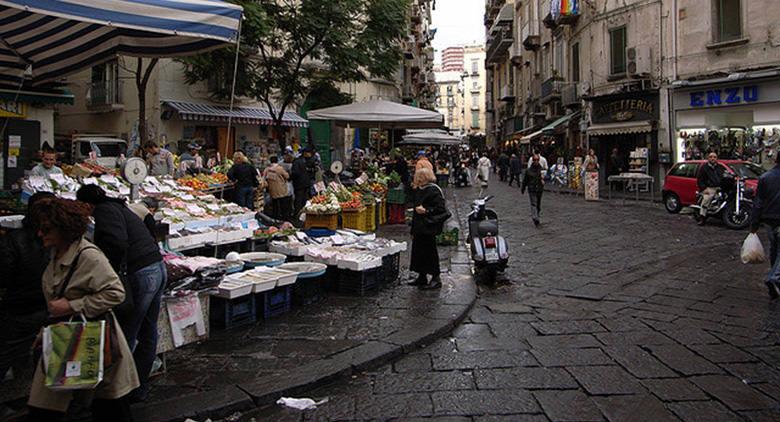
490 242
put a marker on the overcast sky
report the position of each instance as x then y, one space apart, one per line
458 22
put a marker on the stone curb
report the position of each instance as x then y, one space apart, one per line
421 330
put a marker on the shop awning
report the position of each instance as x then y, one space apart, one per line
621 128
379 114
54 38
34 96
528 138
240 115
552 127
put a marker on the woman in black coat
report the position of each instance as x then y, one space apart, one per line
533 181
430 213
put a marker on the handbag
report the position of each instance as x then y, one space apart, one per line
73 354
437 220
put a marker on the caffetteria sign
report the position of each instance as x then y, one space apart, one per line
625 109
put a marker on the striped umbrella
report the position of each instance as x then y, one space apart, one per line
54 38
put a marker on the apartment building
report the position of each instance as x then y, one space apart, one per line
499 73
450 99
461 94
417 79
452 59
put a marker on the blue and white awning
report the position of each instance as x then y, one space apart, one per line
59 37
198 112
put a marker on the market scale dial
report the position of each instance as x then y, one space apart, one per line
135 172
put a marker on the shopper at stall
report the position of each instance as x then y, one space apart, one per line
131 250
145 210
22 309
47 166
302 178
766 210
430 213
281 200
160 161
422 162
515 168
80 280
244 174
709 182
533 181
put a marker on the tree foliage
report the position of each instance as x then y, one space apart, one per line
289 47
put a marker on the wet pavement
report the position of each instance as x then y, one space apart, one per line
607 312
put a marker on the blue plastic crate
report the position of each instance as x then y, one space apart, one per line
275 302
359 283
229 313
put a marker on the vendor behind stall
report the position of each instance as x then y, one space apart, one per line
191 161
47 166
160 160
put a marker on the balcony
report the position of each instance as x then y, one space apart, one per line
516 55
498 45
530 36
551 90
507 93
570 95
105 96
567 19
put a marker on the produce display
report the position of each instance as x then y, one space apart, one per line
355 202
324 203
203 181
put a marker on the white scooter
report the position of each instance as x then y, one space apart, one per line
489 251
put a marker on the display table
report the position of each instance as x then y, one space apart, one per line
632 180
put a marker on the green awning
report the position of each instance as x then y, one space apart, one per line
550 129
36 96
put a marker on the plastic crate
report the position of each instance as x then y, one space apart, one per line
396 196
396 214
371 218
359 282
354 219
321 221
383 212
275 302
229 313
391 266
308 290
330 280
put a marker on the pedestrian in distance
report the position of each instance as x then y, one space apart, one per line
533 181
244 174
430 213
766 211
515 168
79 279
709 180
133 253
281 198
503 166
302 178
542 160
483 173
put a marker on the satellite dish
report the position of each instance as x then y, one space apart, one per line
135 171
336 167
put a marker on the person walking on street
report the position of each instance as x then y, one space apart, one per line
80 280
131 250
534 182
503 166
483 173
281 200
766 211
302 178
430 213
515 168
244 174
542 160
709 181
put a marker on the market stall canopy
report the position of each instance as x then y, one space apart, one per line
528 138
379 113
430 138
553 127
621 128
54 38
239 115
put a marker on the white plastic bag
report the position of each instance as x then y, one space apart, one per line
752 250
300 404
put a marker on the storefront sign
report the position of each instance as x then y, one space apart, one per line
13 109
625 109
725 96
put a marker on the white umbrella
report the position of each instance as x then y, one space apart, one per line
430 138
379 113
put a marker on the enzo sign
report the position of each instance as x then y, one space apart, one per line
725 96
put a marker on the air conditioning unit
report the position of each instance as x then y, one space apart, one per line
638 62
584 89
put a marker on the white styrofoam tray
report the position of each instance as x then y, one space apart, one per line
232 288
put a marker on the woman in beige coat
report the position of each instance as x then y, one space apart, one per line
93 290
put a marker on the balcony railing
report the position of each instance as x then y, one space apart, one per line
529 35
498 45
551 90
105 95
570 95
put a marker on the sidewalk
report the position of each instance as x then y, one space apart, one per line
245 367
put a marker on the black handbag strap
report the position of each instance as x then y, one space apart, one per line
72 270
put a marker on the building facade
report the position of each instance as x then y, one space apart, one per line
452 59
461 94
450 98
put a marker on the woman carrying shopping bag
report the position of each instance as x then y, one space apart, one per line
79 281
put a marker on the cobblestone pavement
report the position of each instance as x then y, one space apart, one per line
608 313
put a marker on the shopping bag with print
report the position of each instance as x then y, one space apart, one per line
752 250
73 354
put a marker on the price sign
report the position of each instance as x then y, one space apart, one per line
319 187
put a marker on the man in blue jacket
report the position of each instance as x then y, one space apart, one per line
766 210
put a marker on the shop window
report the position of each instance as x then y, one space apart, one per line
617 42
575 62
475 119
728 15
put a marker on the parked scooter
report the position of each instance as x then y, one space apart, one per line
462 176
489 251
733 204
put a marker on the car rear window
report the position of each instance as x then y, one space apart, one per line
747 170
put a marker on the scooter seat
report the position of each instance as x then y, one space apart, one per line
488 227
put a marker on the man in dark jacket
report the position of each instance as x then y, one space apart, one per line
709 181
302 179
23 309
515 168
132 250
766 210
503 166
533 181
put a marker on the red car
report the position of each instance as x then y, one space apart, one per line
680 184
